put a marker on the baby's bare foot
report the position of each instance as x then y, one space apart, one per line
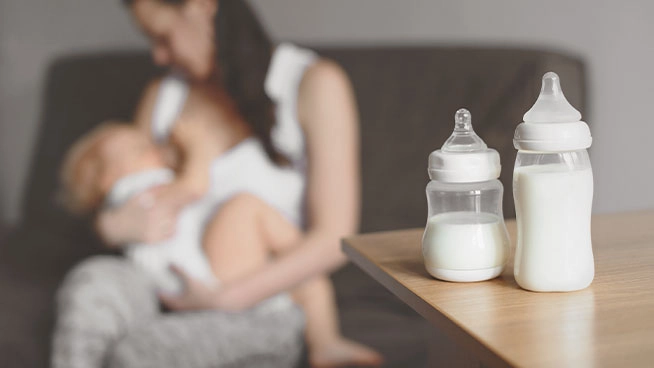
343 352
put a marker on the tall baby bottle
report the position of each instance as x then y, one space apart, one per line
465 239
553 192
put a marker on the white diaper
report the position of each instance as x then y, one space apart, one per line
184 249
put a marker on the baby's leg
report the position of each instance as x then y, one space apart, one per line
239 240
327 347
242 235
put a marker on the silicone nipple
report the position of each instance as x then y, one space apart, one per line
464 138
551 105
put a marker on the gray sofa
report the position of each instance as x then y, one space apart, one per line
407 97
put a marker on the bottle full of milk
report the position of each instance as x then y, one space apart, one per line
465 239
553 192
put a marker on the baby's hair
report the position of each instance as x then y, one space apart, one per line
82 170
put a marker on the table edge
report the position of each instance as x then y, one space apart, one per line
432 315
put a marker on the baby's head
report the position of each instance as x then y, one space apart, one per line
101 157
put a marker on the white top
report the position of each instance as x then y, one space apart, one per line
246 167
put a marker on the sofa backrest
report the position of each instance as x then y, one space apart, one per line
407 97
80 92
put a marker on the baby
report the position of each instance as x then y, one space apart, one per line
213 242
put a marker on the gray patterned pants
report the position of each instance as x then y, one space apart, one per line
108 316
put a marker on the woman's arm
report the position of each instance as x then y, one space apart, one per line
329 117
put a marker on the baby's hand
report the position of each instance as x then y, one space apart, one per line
161 208
171 198
139 220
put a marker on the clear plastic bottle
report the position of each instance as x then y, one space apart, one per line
553 193
465 239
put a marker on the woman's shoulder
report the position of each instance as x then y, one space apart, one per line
306 64
287 67
323 72
323 81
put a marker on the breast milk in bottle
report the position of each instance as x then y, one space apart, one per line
553 192
465 239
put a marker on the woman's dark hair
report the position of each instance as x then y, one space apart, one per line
243 53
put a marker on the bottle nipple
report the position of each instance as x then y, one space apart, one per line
551 105
463 138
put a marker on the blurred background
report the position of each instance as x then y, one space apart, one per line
613 38
65 65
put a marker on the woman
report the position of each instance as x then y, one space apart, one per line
300 107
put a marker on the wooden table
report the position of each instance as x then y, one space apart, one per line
611 323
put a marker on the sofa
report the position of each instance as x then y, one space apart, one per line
407 96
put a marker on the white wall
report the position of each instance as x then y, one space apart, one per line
614 37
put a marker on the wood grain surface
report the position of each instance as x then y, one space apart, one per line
609 324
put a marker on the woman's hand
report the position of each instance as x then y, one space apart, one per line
198 295
149 217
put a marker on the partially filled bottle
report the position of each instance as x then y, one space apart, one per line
465 239
553 193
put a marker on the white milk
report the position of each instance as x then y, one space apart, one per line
553 207
465 246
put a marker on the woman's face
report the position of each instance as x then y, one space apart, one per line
181 35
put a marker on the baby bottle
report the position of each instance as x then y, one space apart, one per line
465 239
553 193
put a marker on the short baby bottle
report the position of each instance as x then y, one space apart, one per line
465 239
553 193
